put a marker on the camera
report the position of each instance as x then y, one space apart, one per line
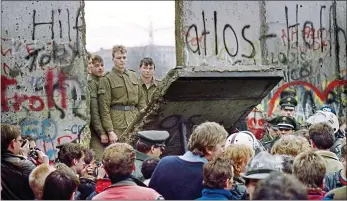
33 153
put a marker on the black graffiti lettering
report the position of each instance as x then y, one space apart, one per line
297 33
61 31
330 27
215 32
282 58
244 37
303 57
321 27
304 36
196 37
301 73
291 57
42 23
272 59
204 33
77 27
287 23
306 71
225 43
45 59
68 23
34 54
236 62
337 30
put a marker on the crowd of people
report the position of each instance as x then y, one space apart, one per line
292 161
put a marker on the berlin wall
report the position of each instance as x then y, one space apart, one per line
43 71
305 38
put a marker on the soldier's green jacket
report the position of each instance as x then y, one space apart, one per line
117 88
268 145
140 157
148 92
95 122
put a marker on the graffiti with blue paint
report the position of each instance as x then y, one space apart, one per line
46 130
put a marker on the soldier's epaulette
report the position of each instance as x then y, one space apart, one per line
106 73
132 70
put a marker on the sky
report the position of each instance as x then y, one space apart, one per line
126 22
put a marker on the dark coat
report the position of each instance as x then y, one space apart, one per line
86 188
15 171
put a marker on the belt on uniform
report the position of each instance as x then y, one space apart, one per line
123 107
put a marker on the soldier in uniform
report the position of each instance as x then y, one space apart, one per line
271 130
288 105
120 96
147 80
150 144
99 138
285 126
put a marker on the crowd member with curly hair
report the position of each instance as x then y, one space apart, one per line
290 145
240 154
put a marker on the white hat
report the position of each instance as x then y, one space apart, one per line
326 117
247 138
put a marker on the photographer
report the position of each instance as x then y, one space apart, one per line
15 169
29 150
89 175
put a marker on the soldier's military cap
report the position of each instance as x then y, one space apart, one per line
272 122
286 123
288 102
153 137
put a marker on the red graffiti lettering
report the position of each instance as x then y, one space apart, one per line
18 101
318 93
62 89
193 40
28 48
5 82
35 102
49 89
4 53
5 67
284 37
65 136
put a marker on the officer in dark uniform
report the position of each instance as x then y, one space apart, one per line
285 126
288 105
150 144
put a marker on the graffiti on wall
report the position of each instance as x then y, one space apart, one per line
312 51
42 89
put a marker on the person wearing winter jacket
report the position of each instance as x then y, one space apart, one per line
217 179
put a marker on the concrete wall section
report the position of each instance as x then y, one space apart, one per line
43 70
311 43
305 38
220 33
